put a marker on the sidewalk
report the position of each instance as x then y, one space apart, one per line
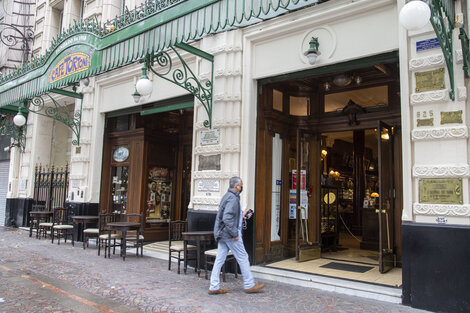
140 284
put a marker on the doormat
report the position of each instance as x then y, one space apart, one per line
347 267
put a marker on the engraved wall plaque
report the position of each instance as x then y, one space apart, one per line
210 137
425 122
440 190
209 162
451 117
430 80
208 185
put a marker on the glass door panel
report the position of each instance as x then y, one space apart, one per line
386 198
120 177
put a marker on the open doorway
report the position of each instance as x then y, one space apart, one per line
329 168
350 192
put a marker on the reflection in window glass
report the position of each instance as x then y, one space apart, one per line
298 106
367 97
120 176
277 100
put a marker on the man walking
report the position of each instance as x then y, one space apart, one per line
228 233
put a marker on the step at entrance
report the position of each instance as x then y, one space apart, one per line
343 286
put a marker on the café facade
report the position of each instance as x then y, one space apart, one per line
344 126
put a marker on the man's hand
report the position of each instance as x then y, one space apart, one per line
235 239
247 213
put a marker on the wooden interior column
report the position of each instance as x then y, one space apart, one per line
359 180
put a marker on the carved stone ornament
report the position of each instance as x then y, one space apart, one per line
461 170
206 200
429 97
219 124
430 61
441 209
461 93
457 132
213 175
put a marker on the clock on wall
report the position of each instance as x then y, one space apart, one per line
121 154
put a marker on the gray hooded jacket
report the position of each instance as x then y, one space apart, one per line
228 216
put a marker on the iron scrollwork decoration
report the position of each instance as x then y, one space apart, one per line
8 128
183 77
443 22
465 50
59 113
11 36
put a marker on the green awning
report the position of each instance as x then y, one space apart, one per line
89 48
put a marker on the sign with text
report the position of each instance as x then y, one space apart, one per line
208 185
440 190
430 80
427 44
210 137
69 65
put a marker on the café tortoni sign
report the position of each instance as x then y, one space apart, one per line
69 65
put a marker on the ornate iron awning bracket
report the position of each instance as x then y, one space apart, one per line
8 128
465 50
443 22
58 112
184 77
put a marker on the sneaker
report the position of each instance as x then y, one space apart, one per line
217 292
254 289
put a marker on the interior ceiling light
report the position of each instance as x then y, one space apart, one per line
342 80
327 86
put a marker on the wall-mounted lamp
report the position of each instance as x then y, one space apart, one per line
85 81
414 15
19 119
324 152
312 53
144 85
136 96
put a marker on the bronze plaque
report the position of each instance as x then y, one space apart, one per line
210 162
430 80
451 117
440 190
426 122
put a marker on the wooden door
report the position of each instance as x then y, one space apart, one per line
386 198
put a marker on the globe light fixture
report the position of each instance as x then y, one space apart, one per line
19 119
144 85
312 53
414 15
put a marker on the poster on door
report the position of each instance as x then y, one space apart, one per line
293 203
303 178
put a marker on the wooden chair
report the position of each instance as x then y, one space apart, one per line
176 244
88 233
61 225
41 224
210 256
135 237
103 236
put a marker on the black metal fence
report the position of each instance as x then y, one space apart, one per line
51 186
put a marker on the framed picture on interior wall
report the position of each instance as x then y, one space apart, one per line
292 165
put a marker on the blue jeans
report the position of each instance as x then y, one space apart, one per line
238 250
